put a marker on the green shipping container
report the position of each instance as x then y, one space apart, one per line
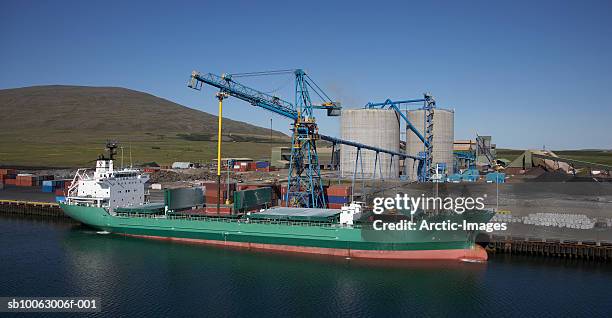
251 199
183 198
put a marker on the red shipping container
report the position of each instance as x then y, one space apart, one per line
334 205
10 181
26 181
339 190
7 171
59 191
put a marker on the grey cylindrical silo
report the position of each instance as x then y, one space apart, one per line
443 139
374 127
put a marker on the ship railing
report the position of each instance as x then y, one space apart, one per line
234 220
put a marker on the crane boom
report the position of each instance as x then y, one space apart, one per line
252 96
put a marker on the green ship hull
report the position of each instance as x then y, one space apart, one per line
300 237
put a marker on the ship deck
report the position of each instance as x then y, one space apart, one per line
297 214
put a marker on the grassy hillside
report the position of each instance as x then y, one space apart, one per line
68 126
594 156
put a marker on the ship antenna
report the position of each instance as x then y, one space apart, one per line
112 149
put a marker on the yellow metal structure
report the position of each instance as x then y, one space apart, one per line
220 96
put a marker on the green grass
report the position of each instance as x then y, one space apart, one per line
594 156
64 149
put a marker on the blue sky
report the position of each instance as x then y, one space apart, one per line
529 73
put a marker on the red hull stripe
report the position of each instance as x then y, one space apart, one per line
477 253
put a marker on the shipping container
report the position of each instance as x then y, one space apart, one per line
26 180
7 171
254 198
182 198
339 190
496 177
335 199
262 164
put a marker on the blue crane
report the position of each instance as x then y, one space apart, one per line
304 187
425 158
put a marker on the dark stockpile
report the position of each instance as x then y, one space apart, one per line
171 176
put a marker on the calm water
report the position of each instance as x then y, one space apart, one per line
136 277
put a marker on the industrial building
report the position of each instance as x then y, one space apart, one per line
479 152
443 138
376 127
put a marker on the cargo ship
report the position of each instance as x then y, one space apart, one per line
115 201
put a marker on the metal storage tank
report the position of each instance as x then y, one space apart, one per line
443 138
375 127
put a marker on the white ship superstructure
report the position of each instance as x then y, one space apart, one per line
106 187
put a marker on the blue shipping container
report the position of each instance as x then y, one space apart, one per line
47 188
60 199
262 164
334 199
47 183
496 177
454 178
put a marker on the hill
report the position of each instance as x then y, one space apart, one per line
603 157
67 126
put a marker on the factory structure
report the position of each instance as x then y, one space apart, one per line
384 127
376 127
